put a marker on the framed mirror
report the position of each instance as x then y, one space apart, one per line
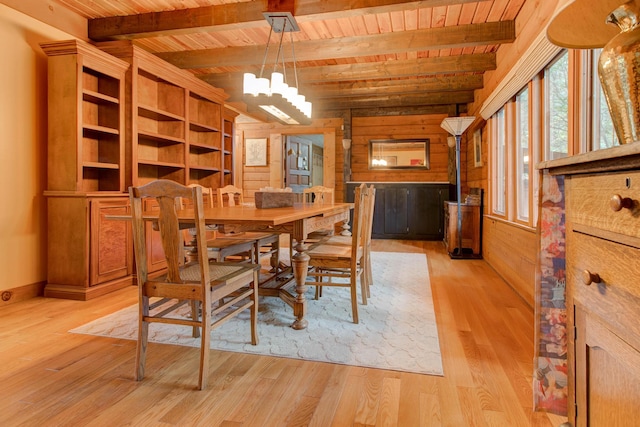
399 154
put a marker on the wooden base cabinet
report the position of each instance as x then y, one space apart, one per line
602 214
411 210
88 255
471 229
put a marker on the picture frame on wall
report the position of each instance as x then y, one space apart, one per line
477 148
255 152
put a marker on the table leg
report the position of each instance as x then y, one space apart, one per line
300 264
346 228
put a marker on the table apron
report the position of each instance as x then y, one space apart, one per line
299 229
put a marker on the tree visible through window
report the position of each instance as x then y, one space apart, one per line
556 78
604 135
500 155
522 155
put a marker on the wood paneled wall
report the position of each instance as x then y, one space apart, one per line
512 252
252 178
400 127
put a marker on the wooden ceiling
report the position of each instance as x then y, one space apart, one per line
365 56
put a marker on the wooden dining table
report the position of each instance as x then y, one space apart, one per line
299 220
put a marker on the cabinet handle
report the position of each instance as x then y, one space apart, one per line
618 203
589 277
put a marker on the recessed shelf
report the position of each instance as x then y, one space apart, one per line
100 165
195 146
201 127
100 129
163 164
157 138
98 98
205 168
157 114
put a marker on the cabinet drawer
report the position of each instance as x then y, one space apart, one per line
589 202
616 299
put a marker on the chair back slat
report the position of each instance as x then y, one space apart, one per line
233 195
170 197
358 219
318 194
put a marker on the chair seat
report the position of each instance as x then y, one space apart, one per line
220 274
253 235
222 243
329 251
338 240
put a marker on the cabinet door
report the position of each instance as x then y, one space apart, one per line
607 375
425 215
396 218
111 245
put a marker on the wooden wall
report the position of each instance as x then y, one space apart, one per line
400 127
252 178
512 251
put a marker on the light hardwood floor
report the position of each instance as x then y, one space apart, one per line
50 377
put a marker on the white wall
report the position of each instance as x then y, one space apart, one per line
23 147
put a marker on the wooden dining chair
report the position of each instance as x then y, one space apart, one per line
265 244
196 284
220 247
318 194
339 261
367 230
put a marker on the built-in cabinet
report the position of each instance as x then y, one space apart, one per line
177 126
119 116
410 211
87 254
602 191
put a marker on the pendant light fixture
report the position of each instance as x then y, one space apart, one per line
278 95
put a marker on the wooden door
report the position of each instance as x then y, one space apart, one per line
298 163
111 245
607 375
317 165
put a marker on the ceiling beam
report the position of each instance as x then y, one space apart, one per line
242 15
375 70
490 33
387 87
392 87
373 101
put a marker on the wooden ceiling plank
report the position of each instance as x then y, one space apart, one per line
240 16
391 43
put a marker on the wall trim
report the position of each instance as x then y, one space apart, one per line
21 293
536 57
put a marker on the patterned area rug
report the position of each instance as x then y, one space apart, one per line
397 328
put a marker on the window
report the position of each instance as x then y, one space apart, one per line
499 164
604 135
556 84
523 155
560 112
